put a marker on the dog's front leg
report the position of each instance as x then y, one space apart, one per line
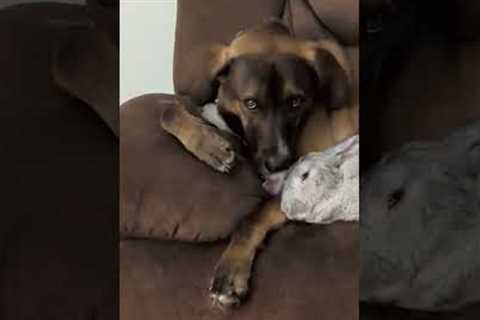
232 273
204 141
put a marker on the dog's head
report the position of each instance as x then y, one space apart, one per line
269 82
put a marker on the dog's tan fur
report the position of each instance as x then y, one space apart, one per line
326 126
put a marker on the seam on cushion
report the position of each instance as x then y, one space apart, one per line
288 9
284 8
137 211
319 20
175 230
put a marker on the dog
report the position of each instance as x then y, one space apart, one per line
285 97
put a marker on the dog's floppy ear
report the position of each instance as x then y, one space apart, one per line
245 41
333 70
218 63
197 82
221 56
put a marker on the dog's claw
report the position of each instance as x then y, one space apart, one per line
222 292
225 300
227 164
229 286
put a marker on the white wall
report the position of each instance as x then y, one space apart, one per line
147 31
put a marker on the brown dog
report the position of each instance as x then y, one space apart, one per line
285 97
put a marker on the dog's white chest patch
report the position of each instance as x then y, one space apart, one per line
322 187
210 113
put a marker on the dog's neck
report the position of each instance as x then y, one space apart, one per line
333 127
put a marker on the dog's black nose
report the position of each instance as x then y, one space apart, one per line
277 163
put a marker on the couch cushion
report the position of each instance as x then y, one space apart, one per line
105 14
378 312
82 61
444 97
306 272
341 17
462 17
165 192
469 24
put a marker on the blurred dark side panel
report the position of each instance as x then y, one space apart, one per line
420 70
59 173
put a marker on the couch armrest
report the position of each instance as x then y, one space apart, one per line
165 192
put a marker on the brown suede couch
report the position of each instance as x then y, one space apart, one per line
305 271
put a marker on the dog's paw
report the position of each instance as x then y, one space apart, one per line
230 283
215 149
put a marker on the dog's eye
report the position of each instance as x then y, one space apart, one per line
296 102
250 103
